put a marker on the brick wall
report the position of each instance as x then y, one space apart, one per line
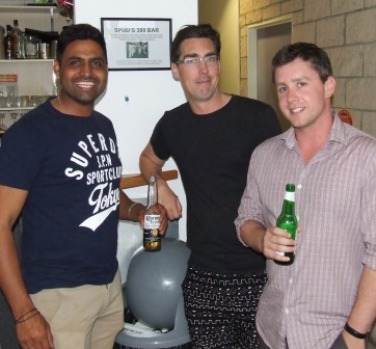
346 29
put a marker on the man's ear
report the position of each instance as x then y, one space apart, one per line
175 71
330 86
56 68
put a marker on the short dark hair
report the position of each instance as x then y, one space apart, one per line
307 52
194 31
79 32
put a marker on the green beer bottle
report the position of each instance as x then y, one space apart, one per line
287 219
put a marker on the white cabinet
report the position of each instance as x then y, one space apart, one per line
23 82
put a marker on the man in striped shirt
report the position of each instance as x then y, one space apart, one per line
326 298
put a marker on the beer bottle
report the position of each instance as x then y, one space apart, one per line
2 43
8 43
152 238
287 219
18 47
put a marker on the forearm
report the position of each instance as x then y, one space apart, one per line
252 234
363 313
11 281
149 166
130 210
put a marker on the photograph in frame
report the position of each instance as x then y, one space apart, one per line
137 43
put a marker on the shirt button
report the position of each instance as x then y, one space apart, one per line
287 311
290 281
299 186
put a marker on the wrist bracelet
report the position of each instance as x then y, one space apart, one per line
22 318
28 312
355 333
130 209
27 318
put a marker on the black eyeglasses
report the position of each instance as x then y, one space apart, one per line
193 61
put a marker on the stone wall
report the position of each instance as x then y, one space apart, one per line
346 29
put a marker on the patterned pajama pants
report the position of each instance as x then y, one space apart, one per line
221 308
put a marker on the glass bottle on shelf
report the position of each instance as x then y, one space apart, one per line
2 36
8 43
18 49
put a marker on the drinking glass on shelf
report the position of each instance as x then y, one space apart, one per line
9 102
22 112
34 101
25 101
3 127
14 115
13 102
2 99
31 47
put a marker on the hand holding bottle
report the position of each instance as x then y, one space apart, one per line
152 218
169 200
287 224
277 242
163 219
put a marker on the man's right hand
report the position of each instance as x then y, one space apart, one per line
169 200
276 243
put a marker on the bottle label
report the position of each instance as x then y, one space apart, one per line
151 221
151 231
290 196
151 235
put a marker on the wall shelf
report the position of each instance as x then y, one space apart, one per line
24 61
25 8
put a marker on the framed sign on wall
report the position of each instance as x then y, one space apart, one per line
137 43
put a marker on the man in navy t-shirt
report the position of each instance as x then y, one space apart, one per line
60 167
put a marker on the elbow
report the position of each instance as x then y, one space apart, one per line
240 232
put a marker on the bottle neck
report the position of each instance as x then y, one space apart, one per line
288 207
289 203
152 198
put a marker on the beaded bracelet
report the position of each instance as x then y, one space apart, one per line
354 332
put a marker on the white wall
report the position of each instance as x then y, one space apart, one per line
150 93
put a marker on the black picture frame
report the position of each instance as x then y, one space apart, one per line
137 43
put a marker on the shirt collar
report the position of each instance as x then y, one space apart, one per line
338 133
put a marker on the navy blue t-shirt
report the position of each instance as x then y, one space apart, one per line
71 169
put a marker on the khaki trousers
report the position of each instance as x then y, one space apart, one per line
85 317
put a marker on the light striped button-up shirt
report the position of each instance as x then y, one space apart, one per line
308 302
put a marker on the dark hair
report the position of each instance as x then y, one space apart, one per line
79 32
194 31
307 52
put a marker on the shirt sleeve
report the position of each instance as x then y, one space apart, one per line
158 140
20 156
250 205
368 208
